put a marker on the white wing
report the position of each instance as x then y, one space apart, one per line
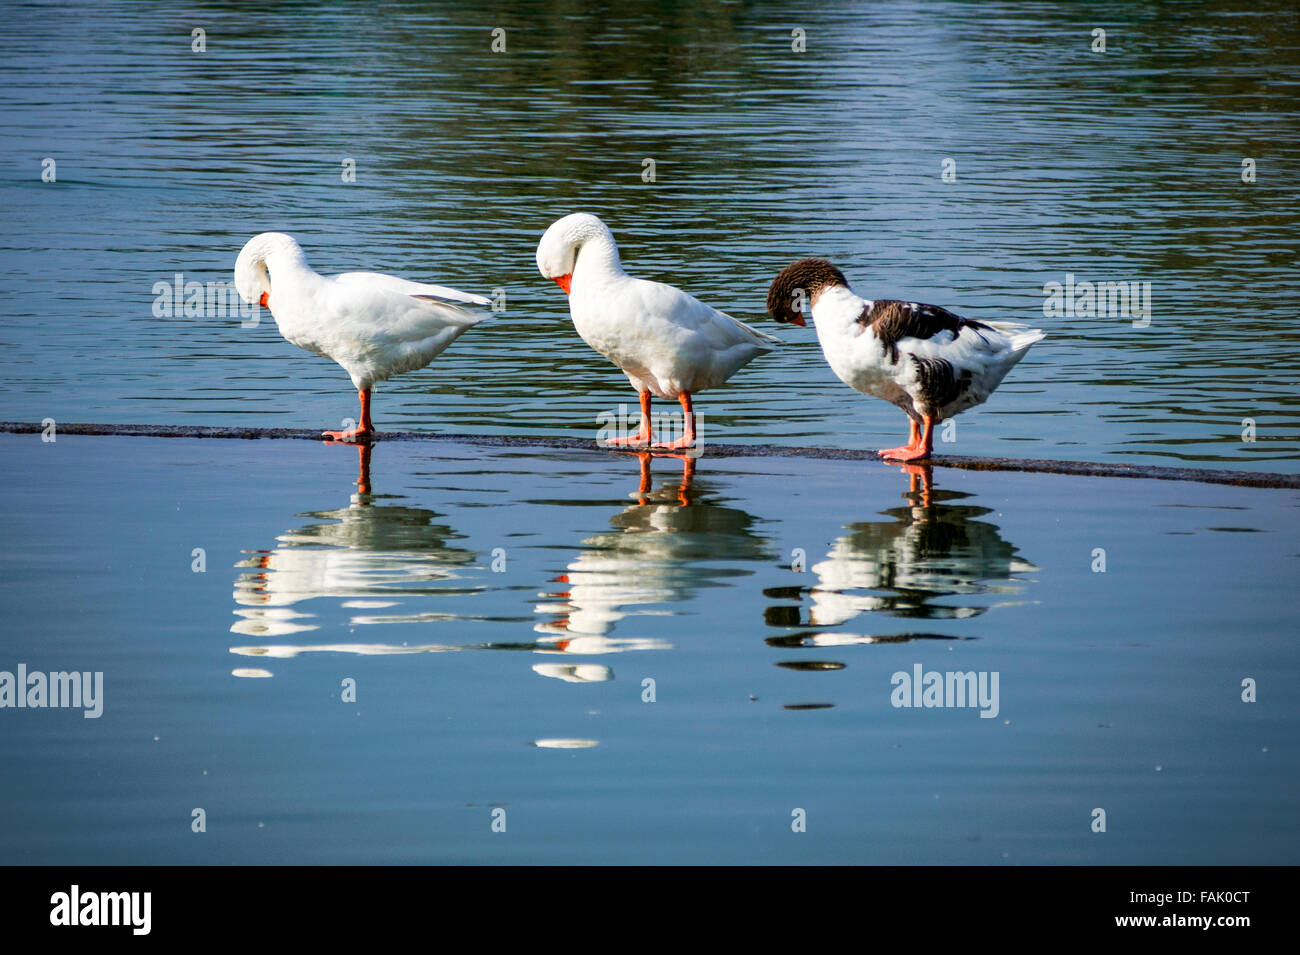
719 329
391 283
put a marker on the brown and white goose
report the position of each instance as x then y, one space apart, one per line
929 362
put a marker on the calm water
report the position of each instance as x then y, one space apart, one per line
1122 166
500 612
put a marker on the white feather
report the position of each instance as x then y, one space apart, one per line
374 325
666 341
861 361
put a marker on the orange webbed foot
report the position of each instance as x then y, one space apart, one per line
631 441
905 454
355 436
681 444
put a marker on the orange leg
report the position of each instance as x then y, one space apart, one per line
688 475
643 435
363 475
683 489
362 431
920 449
688 438
643 488
913 438
920 478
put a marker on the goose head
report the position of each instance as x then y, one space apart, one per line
801 283
260 253
578 234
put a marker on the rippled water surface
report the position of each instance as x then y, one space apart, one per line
366 656
1117 166
636 661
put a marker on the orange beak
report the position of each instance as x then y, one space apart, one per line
564 282
798 320
262 300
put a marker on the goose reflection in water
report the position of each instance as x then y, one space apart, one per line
656 558
370 555
930 551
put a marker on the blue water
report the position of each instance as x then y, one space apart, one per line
673 667
1122 166
499 611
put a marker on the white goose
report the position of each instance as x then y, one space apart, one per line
931 363
669 344
374 325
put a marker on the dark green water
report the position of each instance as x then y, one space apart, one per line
1123 166
499 611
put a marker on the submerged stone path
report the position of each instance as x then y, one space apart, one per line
1034 465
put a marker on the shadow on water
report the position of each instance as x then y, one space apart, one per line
372 557
924 563
933 559
660 553
369 555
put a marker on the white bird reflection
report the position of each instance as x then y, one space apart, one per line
376 557
910 566
369 556
575 672
654 560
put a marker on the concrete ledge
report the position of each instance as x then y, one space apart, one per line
1039 466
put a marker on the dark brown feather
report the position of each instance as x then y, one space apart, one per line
939 383
892 321
799 283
